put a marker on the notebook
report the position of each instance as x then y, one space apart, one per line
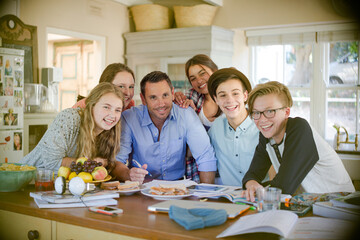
232 210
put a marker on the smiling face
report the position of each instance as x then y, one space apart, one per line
271 127
158 99
126 82
199 76
230 97
107 112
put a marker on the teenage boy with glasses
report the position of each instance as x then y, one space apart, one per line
302 159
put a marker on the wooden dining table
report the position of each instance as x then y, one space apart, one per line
136 222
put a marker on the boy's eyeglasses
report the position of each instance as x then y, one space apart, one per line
270 113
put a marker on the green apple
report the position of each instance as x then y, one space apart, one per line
64 172
81 160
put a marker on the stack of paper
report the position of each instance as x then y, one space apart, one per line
51 199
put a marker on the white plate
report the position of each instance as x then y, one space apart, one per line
146 192
130 191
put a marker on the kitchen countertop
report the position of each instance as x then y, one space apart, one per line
136 221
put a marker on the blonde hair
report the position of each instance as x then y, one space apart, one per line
272 87
107 144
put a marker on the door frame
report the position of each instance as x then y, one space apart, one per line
100 45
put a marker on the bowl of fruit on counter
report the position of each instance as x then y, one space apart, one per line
89 170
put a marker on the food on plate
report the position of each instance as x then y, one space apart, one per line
81 160
129 185
84 168
87 177
72 175
13 167
99 173
174 189
112 185
116 185
64 172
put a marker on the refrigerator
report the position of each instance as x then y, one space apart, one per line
11 104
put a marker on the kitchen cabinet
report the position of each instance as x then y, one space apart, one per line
16 226
48 229
67 231
168 50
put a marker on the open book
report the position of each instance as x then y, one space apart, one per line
288 225
53 197
233 195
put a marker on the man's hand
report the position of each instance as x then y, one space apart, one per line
251 187
138 174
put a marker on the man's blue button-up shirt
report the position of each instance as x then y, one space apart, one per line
165 157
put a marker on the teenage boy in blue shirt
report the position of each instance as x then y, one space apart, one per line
234 136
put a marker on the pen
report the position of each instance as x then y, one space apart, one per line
251 207
139 165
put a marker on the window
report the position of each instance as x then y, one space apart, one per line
319 64
290 65
342 89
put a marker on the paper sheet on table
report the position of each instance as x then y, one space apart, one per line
322 228
186 182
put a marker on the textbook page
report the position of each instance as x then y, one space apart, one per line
322 228
277 221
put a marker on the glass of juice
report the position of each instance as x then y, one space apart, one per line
44 180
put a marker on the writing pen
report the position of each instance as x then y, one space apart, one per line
139 165
251 207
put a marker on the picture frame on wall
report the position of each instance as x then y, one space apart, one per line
16 34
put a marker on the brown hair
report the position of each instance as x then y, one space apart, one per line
154 77
223 75
272 87
107 144
202 60
111 70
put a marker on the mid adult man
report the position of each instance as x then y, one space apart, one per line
156 133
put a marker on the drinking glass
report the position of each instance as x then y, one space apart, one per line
44 180
268 198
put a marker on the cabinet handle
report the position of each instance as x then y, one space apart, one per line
33 234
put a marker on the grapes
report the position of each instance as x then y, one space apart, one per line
88 166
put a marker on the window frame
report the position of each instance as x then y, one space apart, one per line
318 99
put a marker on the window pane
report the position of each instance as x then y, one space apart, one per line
269 63
341 106
298 65
288 64
344 63
301 104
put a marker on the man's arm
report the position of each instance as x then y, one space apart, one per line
207 177
200 147
125 142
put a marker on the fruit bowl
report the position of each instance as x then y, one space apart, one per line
12 181
108 177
